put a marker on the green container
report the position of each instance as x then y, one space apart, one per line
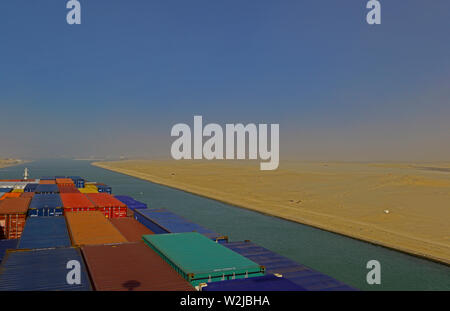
200 260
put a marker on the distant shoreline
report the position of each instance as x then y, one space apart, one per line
316 224
9 163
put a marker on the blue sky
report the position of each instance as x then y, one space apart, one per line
115 85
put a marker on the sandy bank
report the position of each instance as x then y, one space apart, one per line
400 206
10 162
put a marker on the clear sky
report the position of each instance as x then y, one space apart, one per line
115 85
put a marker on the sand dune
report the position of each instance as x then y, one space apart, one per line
398 205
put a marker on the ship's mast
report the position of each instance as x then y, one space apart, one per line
25 174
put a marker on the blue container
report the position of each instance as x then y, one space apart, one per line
42 270
60 177
164 221
104 189
44 204
78 181
30 188
44 232
5 190
130 202
301 275
43 188
260 283
5 245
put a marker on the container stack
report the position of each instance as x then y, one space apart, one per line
13 213
130 228
108 205
301 275
30 188
145 269
199 260
42 270
78 181
10 195
6 245
102 188
44 232
91 228
88 189
51 225
46 204
131 203
164 221
76 202
47 188
66 185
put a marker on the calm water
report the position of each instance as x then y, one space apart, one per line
343 258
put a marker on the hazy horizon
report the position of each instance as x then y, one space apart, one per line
115 85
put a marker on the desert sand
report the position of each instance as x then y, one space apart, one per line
10 162
404 206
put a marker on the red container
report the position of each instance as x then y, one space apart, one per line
13 213
131 267
76 202
67 188
130 228
108 205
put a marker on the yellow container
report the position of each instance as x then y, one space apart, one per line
88 189
17 191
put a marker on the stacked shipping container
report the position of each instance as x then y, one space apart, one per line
88 189
199 260
6 245
78 181
44 204
130 228
90 228
164 221
44 232
13 212
10 195
76 202
47 188
295 272
108 205
131 204
42 270
179 256
131 266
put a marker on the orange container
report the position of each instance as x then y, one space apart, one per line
108 205
10 195
76 202
64 181
47 182
91 228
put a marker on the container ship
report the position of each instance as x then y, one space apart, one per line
65 233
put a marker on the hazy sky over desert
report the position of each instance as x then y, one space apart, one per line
115 85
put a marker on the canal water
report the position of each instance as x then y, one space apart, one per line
340 257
